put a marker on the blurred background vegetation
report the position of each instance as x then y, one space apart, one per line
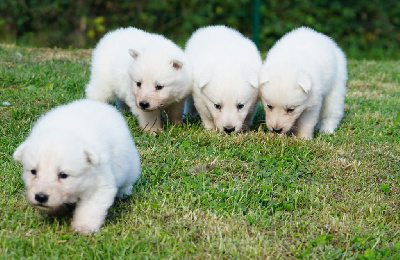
364 29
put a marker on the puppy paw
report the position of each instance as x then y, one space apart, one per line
326 129
305 136
84 228
153 129
328 125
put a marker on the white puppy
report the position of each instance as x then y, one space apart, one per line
145 71
79 153
225 75
303 82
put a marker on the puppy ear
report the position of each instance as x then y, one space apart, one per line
253 80
177 64
204 79
264 77
17 155
91 157
251 76
133 53
304 81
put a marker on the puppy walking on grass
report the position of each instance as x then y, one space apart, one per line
79 153
142 70
303 84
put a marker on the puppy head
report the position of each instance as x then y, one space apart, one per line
56 170
285 97
230 100
158 79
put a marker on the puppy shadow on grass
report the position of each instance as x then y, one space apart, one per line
122 206
63 216
258 118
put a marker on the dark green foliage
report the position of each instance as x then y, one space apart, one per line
365 29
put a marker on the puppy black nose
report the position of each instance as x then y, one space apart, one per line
144 104
41 197
277 130
229 129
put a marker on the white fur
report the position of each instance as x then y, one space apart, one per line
225 73
128 55
305 71
91 143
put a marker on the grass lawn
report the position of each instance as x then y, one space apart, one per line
205 194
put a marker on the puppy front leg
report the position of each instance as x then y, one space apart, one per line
305 124
175 112
150 121
91 211
208 123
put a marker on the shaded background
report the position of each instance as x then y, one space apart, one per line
364 29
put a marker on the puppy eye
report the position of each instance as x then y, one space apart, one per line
33 172
62 175
159 87
217 106
138 83
270 107
289 110
240 106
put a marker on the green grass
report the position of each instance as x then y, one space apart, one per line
205 194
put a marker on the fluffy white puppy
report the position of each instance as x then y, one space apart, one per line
79 153
303 82
225 77
145 71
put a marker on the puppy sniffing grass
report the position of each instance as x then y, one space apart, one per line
225 78
79 153
303 83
